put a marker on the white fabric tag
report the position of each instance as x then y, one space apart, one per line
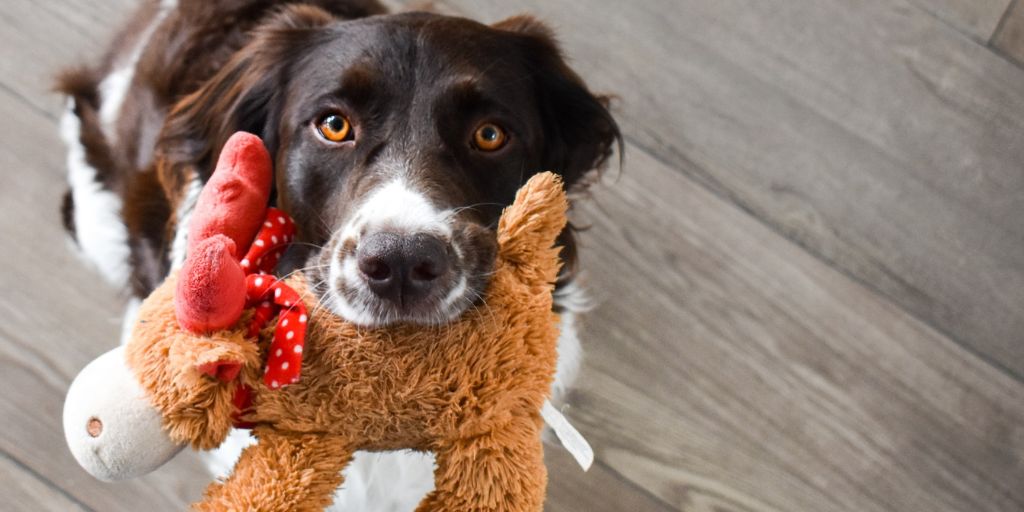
571 438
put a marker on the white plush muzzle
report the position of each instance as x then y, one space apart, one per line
110 427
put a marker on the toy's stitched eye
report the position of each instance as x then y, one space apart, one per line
489 137
335 128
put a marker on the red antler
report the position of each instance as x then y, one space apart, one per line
211 289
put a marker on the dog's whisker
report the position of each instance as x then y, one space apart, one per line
455 211
307 244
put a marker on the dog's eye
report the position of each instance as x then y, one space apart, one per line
489 137
335 128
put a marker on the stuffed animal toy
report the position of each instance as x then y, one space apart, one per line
203 358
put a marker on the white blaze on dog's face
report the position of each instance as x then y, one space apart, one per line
399 247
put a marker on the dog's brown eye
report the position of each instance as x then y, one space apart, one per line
335 128
489 137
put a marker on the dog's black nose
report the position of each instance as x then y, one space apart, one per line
402 268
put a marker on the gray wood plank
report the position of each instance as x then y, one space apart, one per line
599 489
879 139
1009 39
24 491
727 369
57 316
975 18
38 39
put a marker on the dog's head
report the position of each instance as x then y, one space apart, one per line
397 141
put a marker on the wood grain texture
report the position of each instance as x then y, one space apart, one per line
727 369
882 141
572 490
1009 39
38 39
24 491
977 19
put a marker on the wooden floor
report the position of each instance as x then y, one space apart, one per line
809 275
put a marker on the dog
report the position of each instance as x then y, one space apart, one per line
397 140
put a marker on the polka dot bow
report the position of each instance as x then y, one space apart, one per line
269 296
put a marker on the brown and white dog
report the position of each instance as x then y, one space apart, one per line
397 140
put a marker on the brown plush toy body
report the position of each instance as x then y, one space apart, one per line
470 391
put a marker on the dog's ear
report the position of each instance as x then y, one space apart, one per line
242 96
579 130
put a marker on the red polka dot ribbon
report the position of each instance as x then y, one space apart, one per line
269 296
273 238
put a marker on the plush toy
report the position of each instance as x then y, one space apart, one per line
203 358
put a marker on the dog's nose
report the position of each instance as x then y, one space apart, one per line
402 268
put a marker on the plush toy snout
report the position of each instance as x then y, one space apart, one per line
112 430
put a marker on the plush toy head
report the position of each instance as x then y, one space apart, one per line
470 391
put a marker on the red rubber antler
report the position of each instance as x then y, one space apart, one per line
211 288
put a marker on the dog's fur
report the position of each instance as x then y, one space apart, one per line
145 125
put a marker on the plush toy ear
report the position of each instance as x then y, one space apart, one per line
223 370
529 227
221 355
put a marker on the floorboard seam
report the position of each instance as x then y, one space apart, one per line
984 43
1002 55
1002 22
28 103
999 27
46 481
635 486
816 255
976 39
